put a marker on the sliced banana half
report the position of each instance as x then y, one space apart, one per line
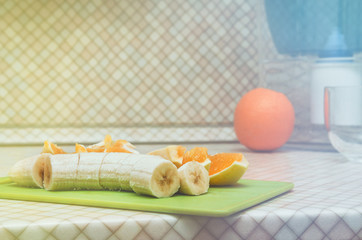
154 176
194 178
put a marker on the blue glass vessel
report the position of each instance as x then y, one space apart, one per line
325 28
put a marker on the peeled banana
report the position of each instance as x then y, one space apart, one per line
194 178
143 174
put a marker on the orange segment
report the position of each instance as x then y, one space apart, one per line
109 145
118 146
101 146
198 154
227 168
80 148
174 153
107 141
96 148
52 148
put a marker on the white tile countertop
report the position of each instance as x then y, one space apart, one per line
325 203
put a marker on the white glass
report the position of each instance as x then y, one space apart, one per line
343 120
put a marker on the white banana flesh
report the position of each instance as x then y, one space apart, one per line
29 172
143 174
108 174
88 171
124 171
60 172
194 178
155 176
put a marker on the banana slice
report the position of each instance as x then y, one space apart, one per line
29 171
154 176
109 173
124 170
88 171
194 178
60 171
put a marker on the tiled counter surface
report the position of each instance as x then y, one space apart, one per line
326 203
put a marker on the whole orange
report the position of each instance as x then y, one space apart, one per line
264 119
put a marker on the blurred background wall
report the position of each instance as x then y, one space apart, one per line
142 70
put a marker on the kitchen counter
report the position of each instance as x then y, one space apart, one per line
326 203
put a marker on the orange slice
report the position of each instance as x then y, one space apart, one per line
80 148
198 154
52 148
118 146
107 141
227 168
174 153
109 145
98 147
101 146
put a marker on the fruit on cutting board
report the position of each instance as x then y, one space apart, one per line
144 174
116 165
109 145
80 148
227 168
29 171
52 148
88 170
198 154
174 153
113 164
194 178
264 119
60 172
155 177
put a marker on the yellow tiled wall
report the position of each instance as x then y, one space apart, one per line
121 66
125 63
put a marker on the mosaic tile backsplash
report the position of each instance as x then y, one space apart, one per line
137 69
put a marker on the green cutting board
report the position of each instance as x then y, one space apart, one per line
218 202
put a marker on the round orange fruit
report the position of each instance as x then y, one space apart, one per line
264 119
227 168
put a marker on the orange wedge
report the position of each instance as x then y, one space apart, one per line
118 146
174 153
198 154
109 145
101 146
227 168
107 141
52 148
98 147
80 148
